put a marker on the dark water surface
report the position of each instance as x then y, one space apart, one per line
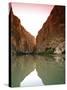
34 70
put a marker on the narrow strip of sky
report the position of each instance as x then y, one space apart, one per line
32 16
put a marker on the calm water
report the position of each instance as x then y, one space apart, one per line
28 70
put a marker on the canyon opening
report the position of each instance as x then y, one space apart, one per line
32 16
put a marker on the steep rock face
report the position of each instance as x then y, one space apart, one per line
21 40
52 33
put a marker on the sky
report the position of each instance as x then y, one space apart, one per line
32 16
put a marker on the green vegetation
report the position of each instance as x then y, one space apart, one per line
48 51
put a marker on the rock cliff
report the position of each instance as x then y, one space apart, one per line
50 36
52 33
21 40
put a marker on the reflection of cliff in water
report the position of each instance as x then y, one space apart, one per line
50 69
21 67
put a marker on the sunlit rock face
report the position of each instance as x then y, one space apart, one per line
21 40
52 33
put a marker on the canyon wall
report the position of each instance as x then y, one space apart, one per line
50 36
52 33
21 40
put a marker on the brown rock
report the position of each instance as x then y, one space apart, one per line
21 40
52 33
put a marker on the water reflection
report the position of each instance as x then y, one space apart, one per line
20 68
49 70
32 79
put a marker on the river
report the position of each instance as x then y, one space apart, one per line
37 70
